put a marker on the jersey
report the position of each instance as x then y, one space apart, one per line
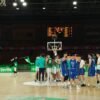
73 64
81 68
91 71
98 63
73 69
98 66
41 62
82 63
37 61
49 63
68 64
64 68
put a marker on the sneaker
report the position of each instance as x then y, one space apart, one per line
77 87
98 82
35 80
54 80
83 85
88 84
70 87
58 80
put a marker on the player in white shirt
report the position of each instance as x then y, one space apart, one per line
82 72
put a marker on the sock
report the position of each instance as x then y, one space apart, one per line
98 82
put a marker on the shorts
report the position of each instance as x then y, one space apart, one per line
58 69
91 72
54 70
65 72
48 70
81 71
65 78
98 71
98 67
72 73
37 69
15 71
77 72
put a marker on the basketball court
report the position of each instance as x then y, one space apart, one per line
14 88
29 28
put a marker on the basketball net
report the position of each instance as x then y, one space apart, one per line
2 3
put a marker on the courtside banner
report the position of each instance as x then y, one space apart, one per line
33 68
6 69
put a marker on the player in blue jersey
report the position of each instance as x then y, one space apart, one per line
68 64
91 70
73 71
65 70
92 64
64 67
77 65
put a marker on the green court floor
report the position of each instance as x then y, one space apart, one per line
34 98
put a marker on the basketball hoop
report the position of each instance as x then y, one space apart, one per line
2 3
54 46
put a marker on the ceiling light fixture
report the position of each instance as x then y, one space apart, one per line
22 0
24 4
15 4
75 7
43 8
17 8
74 3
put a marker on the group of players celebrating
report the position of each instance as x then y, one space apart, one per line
70 69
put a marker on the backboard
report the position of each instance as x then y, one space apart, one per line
54 46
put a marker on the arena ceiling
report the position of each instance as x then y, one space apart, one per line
52 8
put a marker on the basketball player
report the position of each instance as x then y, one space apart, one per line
54 69
37 68
73 72
91 66
58 61
41 64
64 70
15 64
77 65
98 68
82 72
69 64
91 70
48 67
